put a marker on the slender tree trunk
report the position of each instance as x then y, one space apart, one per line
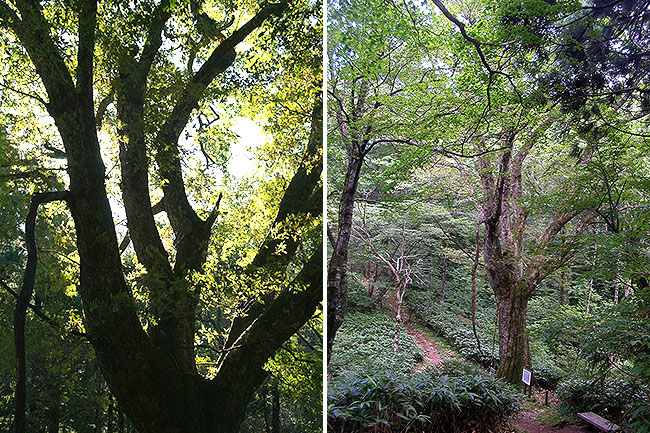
399 296
444 277
617 287
357 147
276 408
267 416
591 280
337 272
20 311
514 352
474 268
371 278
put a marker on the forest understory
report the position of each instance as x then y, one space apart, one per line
539 413
488 177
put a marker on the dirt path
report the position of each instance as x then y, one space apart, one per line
527 424
431 354
428 347
525 421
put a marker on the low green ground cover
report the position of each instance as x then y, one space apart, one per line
428 402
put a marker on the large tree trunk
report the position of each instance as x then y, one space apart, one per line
512 276
152 374
357 145
514 352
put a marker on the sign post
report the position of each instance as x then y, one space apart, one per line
526 376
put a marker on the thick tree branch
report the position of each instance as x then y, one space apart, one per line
130 87
543 263
34 32
241 369
555 225
101 109
86 48
302 185
181 215
477 44
159 18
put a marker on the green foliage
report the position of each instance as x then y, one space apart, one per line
273 83
547 372
615 399
295 374
425 403
612 351
358 298
364 345
459 367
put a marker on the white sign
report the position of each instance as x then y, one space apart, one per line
525 377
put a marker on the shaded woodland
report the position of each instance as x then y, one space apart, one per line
488 194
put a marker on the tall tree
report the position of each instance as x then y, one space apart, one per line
152 371
514 269
372 81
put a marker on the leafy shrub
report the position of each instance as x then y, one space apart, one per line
425 404
358 298
364 345
547 373
611 398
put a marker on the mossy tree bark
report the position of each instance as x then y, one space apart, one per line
512 272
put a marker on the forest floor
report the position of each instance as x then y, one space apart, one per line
535 418
527 421
428 347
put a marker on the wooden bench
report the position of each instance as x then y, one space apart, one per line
599 422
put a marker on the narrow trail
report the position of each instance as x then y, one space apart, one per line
428 347
524 422
431 354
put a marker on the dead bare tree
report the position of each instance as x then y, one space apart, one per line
399 257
